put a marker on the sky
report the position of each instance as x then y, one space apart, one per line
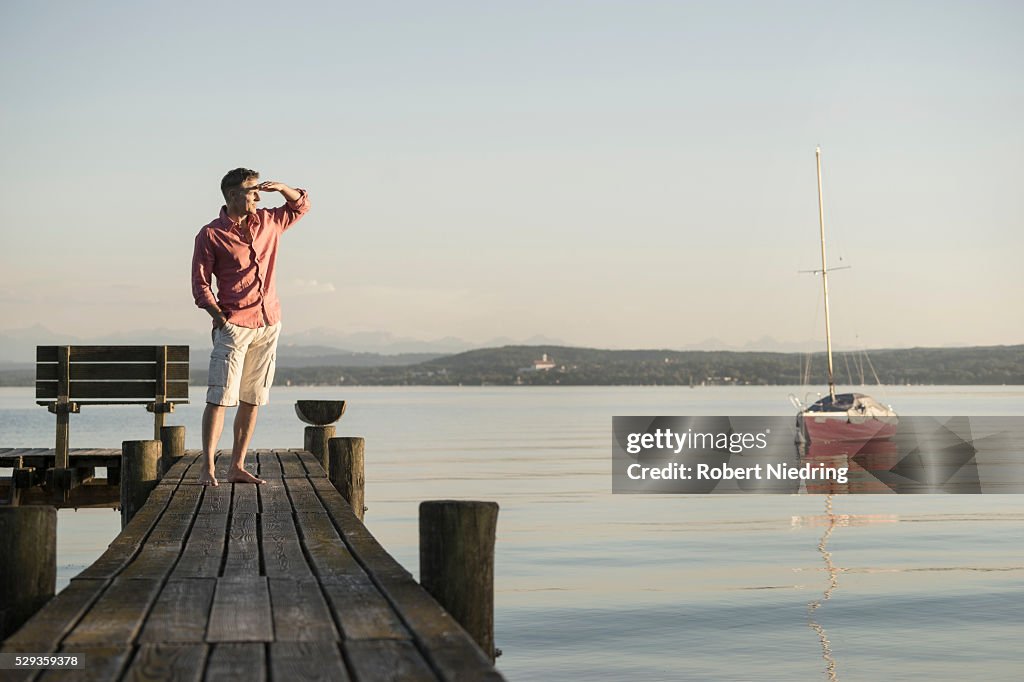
609 174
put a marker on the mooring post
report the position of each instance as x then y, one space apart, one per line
172 441
140 462
347 470
28 563
457 563
315 440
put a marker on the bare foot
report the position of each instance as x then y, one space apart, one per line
207 478
243 476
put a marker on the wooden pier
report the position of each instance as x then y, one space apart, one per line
280 581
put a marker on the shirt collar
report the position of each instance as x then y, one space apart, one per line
225 220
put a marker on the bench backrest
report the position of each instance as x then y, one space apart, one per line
111 375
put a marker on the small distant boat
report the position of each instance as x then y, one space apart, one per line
842 416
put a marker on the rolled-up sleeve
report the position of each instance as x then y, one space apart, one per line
285 216
202 271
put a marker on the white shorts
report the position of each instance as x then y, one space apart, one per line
242 364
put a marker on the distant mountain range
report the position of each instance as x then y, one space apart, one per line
324 346
311 347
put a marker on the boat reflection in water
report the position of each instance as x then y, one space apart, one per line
859 458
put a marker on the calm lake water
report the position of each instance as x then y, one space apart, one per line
595 586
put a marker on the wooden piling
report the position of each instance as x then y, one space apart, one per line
140 462
346 470
457 563
172 440
315 440
28 563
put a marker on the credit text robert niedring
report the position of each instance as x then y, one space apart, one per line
736 443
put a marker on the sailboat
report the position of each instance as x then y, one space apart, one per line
840 416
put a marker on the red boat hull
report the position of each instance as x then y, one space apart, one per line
829 427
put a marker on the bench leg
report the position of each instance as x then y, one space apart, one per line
60 460
158 423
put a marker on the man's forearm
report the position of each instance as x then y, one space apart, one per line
290 193
217 314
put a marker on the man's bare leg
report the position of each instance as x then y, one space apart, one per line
213 424
245 424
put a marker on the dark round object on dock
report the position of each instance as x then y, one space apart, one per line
319 412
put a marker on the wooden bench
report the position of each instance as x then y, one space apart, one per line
68 377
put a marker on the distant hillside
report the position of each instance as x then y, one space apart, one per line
514 365
511 365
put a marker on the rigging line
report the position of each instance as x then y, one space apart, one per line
878 382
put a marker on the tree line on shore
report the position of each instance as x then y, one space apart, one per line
515 365
518 365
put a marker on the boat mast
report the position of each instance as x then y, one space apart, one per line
824 280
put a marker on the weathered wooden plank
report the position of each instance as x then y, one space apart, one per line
102 663
204 549
303 495
387 660
185 499
116 616
89 495
291 465
181 612
221 464
328 554
282 552
177 662
114 392
125 545
216 500
457 657
269 466
113 371
312 464
307 661
173 525
241 611
420 612
43 632
134 532
113 353
245 499
362 611
108 564
300 612
450 648
358 539
179 469
154 560
243 551
274 497
33 453
237 662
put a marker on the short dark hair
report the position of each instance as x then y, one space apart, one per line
234 179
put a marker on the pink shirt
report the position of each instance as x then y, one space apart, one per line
243 264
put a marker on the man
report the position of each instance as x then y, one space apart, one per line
239 249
